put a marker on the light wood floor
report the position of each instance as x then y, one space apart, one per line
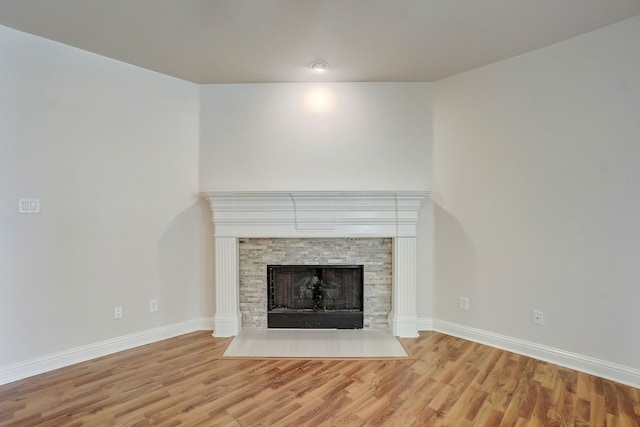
448 382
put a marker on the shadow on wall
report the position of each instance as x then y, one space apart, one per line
207 261
454 267
183 276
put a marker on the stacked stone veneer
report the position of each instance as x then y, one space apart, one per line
373 253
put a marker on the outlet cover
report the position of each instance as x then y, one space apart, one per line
28 206
118 312
153 305
464 303
538 317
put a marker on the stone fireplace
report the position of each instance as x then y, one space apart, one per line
272 221
257 254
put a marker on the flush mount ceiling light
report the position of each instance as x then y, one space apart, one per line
319 66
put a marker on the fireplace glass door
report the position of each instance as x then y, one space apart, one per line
315 296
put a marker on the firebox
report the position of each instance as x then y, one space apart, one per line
315 296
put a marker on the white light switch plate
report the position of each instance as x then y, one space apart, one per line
28 206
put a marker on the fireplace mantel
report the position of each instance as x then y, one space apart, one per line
305 214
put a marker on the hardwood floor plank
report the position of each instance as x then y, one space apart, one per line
185 381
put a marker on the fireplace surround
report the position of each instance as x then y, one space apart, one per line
373 253
238 215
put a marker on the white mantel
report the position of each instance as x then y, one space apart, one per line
305 214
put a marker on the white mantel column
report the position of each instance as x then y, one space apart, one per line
403 319
227 320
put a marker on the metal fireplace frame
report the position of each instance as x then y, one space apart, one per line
317 315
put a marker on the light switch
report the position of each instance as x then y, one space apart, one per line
29 206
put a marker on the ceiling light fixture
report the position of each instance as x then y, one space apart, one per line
319 66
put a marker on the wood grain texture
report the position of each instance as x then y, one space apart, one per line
448 381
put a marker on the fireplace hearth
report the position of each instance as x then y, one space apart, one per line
315 296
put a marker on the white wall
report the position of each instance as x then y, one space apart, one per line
372 136
536 172
111 150
366 136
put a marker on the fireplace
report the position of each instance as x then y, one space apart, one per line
315 214
315 296
256 254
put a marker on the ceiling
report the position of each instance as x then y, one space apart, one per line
255 41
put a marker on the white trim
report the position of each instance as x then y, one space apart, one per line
227 326
306 214
590 365
39 365
404 326
425 324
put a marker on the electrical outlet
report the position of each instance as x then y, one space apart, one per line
538 317
29 206
153 305
118 312
464 303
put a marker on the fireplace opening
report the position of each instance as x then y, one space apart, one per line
315 296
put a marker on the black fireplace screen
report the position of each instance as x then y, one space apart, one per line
300 295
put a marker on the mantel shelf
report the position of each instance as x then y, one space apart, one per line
315 214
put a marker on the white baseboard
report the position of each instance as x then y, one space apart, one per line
612 371
425 324
83 353
590 365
